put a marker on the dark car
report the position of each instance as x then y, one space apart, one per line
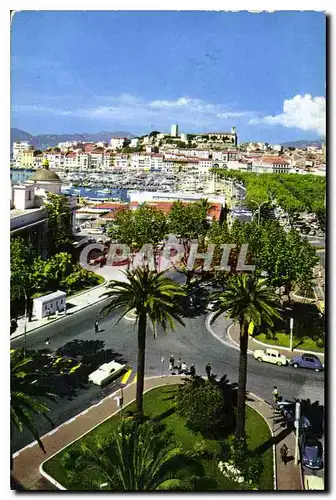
307 361
287 409
311 451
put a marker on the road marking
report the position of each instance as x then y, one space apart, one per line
32 444
135 378
126 377
99 403
85 411
16 454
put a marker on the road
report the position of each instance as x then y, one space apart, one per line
193 343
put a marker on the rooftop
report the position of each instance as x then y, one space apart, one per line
14 212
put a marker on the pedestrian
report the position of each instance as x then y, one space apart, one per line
184 368
96 326
208 370
179 365
275 394
172 360
192 371
171 366
284 453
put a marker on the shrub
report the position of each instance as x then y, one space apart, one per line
204 407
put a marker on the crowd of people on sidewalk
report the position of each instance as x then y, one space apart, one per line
180 367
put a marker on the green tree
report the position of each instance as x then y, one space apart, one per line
202 404
30 387
138 457
28 395
154 298
23 261
60 235
246 299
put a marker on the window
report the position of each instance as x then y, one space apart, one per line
29 195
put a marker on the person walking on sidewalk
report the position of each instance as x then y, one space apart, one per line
284 453
192 371
96 326
172 360
275 393
179 365
208 370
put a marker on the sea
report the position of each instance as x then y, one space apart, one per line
19 176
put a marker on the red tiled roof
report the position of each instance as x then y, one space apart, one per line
277 160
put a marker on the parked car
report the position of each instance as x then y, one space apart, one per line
106 373
307 361
287 409
311 450
270 356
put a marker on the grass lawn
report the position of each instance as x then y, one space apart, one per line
282 339
159 404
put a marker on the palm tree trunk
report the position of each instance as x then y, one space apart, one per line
141 363
242 377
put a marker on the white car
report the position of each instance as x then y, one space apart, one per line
270 356
106 372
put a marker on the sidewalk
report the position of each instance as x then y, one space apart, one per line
288 477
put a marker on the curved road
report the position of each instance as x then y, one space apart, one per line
193 343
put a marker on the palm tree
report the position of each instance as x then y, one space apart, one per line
246 299
139 457
28 395
152 296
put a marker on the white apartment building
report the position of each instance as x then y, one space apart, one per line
83 161
134 142
56 160
121 161
275 165
184 137
70 161
108 161
67 144
18 148
38 161
117 142
97 160
156 161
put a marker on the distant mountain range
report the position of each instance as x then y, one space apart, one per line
43 141
303 143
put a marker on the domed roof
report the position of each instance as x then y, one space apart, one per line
43 174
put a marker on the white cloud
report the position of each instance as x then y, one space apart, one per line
127 109
302 111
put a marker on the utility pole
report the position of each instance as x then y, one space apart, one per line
291 326
297 422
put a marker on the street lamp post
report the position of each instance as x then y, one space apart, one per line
162 365
291 326
259 207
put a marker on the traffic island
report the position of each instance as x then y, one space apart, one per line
159 405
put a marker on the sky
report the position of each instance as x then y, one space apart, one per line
137 71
